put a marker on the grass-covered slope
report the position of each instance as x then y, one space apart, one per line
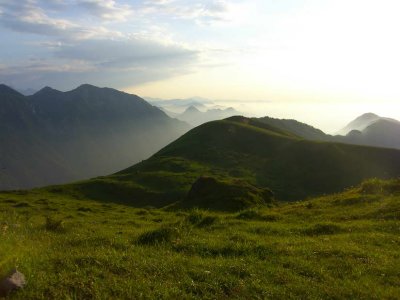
247 150
300 129
342 246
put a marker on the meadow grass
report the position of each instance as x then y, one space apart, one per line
342 246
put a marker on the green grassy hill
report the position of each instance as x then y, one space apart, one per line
246 150
341 246
80 241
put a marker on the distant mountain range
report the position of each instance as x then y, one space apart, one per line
194 111
179 105
360 123
54 137
368 129
373 130
196 117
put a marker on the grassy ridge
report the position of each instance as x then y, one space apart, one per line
247 150
339 246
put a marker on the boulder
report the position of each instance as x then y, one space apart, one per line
14 281
226 194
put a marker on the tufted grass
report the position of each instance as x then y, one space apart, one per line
342 246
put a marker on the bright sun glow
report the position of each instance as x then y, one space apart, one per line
288 52
322 52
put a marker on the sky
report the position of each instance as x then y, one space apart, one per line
319 61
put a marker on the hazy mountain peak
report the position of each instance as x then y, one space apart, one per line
360 123
87 86
5 89
46 90
368 116
191 109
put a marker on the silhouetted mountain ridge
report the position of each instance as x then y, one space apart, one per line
368 129
53 136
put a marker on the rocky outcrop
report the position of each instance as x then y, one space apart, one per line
227 195
14 281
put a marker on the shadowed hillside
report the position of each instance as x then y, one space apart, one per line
247 150
54 137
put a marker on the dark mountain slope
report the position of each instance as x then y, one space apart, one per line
86 132
368 129
300 129
25 158
250 151
108 129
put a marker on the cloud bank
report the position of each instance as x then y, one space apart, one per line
102 42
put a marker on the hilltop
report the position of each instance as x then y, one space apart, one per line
244 150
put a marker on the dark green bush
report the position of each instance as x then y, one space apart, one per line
323 229
162 235
55 225
254 214
200 219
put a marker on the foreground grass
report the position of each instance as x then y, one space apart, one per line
341 246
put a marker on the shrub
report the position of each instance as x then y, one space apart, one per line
249 214
163 235
254 214
54 225
198 218
378 186
195 216
207 221
323 229
22 204
226 194
85 209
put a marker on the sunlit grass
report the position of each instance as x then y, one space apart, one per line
339 246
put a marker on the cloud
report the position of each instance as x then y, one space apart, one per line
205 12
125 53
108 10
116 63
73 52
66 77
27 17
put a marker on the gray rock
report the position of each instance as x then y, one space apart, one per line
14 281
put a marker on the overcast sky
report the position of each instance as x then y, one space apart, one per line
327 51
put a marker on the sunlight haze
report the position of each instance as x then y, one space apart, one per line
291 52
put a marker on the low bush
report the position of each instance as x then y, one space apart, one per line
200 219
323 229
162 235
55 225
